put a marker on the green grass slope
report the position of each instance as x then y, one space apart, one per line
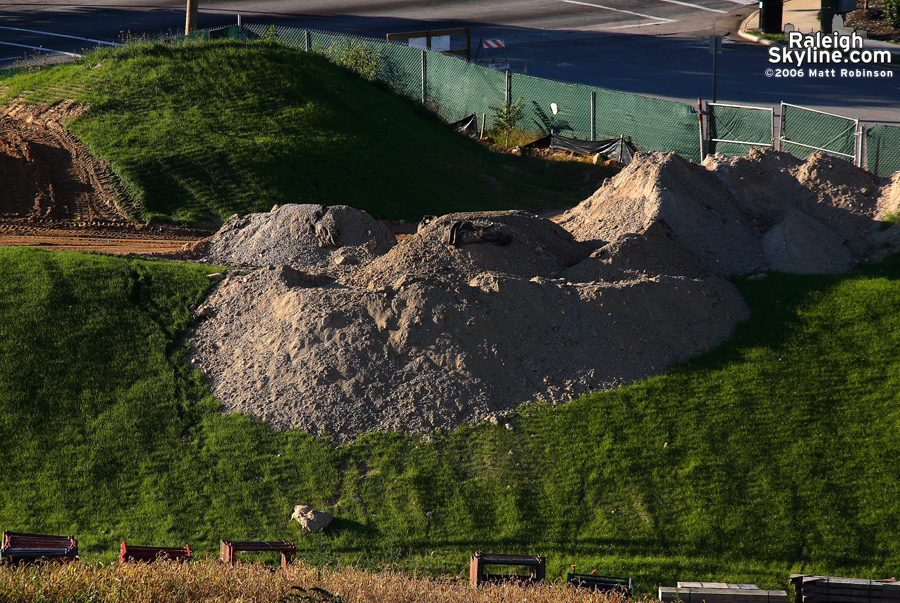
200 130
776 452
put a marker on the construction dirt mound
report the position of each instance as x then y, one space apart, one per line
765 211
308 237
478 312
459 322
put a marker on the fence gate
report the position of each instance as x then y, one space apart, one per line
805 131
883 149
735 129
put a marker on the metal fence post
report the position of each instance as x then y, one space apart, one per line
861 160
424 79
508 88
306 40
700 125
593 115
781 129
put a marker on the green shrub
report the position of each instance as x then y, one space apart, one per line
507 117
358 58
892 12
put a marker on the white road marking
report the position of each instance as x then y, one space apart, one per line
640 25
47 33
618 10
696 6
71 54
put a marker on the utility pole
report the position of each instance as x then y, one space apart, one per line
190 24
826 16
715 49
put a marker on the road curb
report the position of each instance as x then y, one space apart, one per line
742 31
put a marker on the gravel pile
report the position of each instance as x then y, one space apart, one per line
308 237
479 312
765 211
439 332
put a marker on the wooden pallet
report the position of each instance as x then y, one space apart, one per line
611 584
829 589
719 592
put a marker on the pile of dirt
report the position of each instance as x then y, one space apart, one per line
478 312
467 244
889 203
47 175
459 322
308 237
735 215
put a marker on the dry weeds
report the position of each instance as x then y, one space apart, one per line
211 581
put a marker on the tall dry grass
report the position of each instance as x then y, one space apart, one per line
210 581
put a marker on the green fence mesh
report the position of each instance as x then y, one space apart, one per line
745 127
572 104
455 88
883 149
650 123
400 68
804 132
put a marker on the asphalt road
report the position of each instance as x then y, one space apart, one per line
653 47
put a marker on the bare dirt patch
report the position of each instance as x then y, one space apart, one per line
131 239
47 174
55 194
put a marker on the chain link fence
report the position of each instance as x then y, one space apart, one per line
883 149
455 88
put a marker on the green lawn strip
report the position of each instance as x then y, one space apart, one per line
774 453
204 129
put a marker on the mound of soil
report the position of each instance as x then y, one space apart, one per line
478 312
308 237
463 320
686 198
635 256
765 211
511 242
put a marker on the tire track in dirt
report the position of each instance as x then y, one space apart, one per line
46 173
55 194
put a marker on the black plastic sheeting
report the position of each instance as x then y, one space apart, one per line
467 125
615 148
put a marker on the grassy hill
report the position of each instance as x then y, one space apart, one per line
776 452
201 130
